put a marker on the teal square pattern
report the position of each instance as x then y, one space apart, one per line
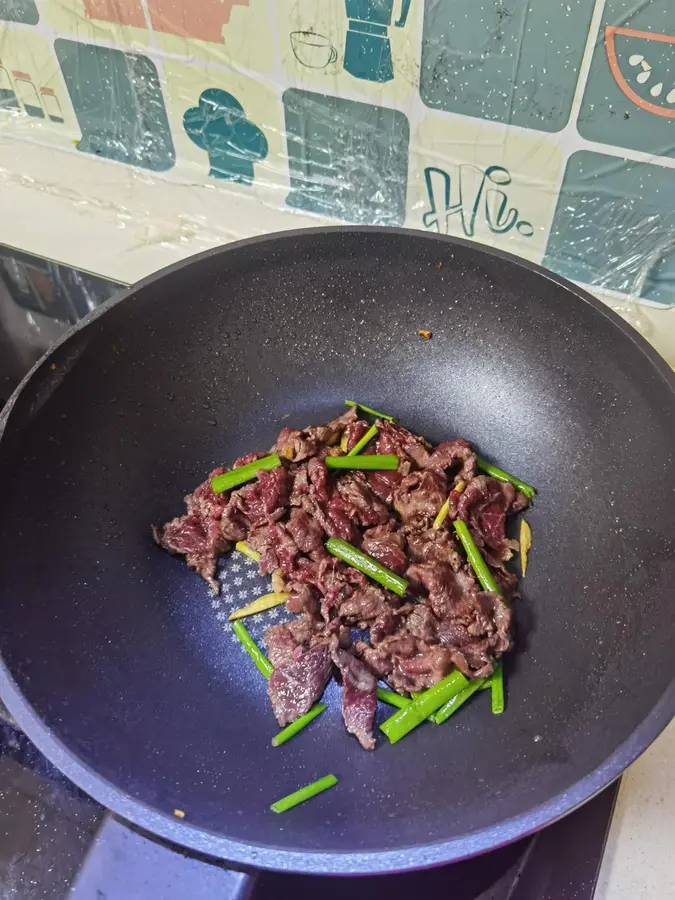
629 99
347 160
614 226
511 61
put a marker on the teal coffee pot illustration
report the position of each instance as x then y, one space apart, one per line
368 48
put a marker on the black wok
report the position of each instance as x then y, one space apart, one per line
113 659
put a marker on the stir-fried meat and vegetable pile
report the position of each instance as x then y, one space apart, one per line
390 552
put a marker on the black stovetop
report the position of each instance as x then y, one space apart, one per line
58 844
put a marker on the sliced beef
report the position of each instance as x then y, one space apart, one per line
354 432
305 531
265 499
407 446
445 587
233 524
198 536
332 432
386 543
478 631
303 628
483 506
300 480
360 503
295 687
295 445
450 454
423 670
183 535
520 503
383 484
333 599
507 582
260 538
419 497
331 516
434 545
325 505
322 571
501 617
186 536
380 659
330 572
407 663
303 599
359 698
298 445
457 454
279 550
383 625
333 579
366 604
337 521
287 642
422 623
204 502
246 459
329 633
313 493
318 480
476 625
283 646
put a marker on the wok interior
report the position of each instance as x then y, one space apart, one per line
115 644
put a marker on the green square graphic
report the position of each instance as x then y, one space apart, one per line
25 12
614 227
119 105
347 160
629 99
510 61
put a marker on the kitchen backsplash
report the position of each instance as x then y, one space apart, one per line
546 129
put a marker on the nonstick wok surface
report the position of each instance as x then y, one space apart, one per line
113 659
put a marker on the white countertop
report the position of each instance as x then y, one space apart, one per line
104 225
638 862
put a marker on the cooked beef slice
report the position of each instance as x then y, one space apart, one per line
295 687
360 503
434 545
198 536
483 505
354 432
449 454
386 544
419 497
297 445
359 699
409 447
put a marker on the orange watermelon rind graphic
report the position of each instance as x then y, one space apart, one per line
611 31
201 19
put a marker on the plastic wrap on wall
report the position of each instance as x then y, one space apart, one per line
544 129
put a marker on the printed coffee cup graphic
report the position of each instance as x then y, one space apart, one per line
313 50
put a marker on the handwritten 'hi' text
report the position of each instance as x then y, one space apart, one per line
475 196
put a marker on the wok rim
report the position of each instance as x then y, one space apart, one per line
259 856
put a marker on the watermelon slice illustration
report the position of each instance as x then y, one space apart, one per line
643 66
